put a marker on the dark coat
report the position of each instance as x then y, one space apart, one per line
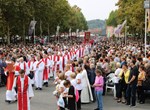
2 66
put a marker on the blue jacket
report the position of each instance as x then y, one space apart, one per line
2 65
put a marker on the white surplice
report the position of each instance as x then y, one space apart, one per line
86 93
31 68
29 91
24 66
38 72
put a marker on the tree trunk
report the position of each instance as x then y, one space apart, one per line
48 32
41 30
8 35
23 33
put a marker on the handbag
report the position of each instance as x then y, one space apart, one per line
31 75
77 95
61 102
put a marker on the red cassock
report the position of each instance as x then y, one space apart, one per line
46 70
10 80
22 95
17 68
10 77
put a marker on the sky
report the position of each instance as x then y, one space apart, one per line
95 9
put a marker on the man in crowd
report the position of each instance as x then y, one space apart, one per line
132 84
38 70
2 67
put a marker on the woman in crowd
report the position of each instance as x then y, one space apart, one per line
98 85
61 104
79 86
140 90
112 65
106 66
100 62
70 95
117 78
123 61
73 80
124 76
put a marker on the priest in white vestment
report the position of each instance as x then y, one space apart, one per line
38 70
23 91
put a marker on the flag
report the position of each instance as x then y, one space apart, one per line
70 32
32 27
120 27
77 32
57 31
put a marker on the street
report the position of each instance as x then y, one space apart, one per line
44 100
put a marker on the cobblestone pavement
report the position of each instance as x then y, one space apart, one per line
44 100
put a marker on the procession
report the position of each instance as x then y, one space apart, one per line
72 61
73 68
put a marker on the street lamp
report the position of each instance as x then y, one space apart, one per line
146 6
57 32
126 28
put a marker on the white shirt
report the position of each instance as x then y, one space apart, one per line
116 59
74 83
62 84
117 78
79 86
68 74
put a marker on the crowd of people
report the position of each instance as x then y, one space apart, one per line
79 70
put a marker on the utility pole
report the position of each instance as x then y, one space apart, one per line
146 6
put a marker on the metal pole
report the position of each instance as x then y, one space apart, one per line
145 30
125 35
58 38
34 33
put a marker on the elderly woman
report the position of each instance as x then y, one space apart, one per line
116 78
106 66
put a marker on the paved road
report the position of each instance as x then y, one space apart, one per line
44 100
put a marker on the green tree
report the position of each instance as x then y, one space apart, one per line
15 17
77 19
133 11
112 20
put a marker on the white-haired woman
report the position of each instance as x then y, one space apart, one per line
116 79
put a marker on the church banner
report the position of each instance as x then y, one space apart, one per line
32 27
87 36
